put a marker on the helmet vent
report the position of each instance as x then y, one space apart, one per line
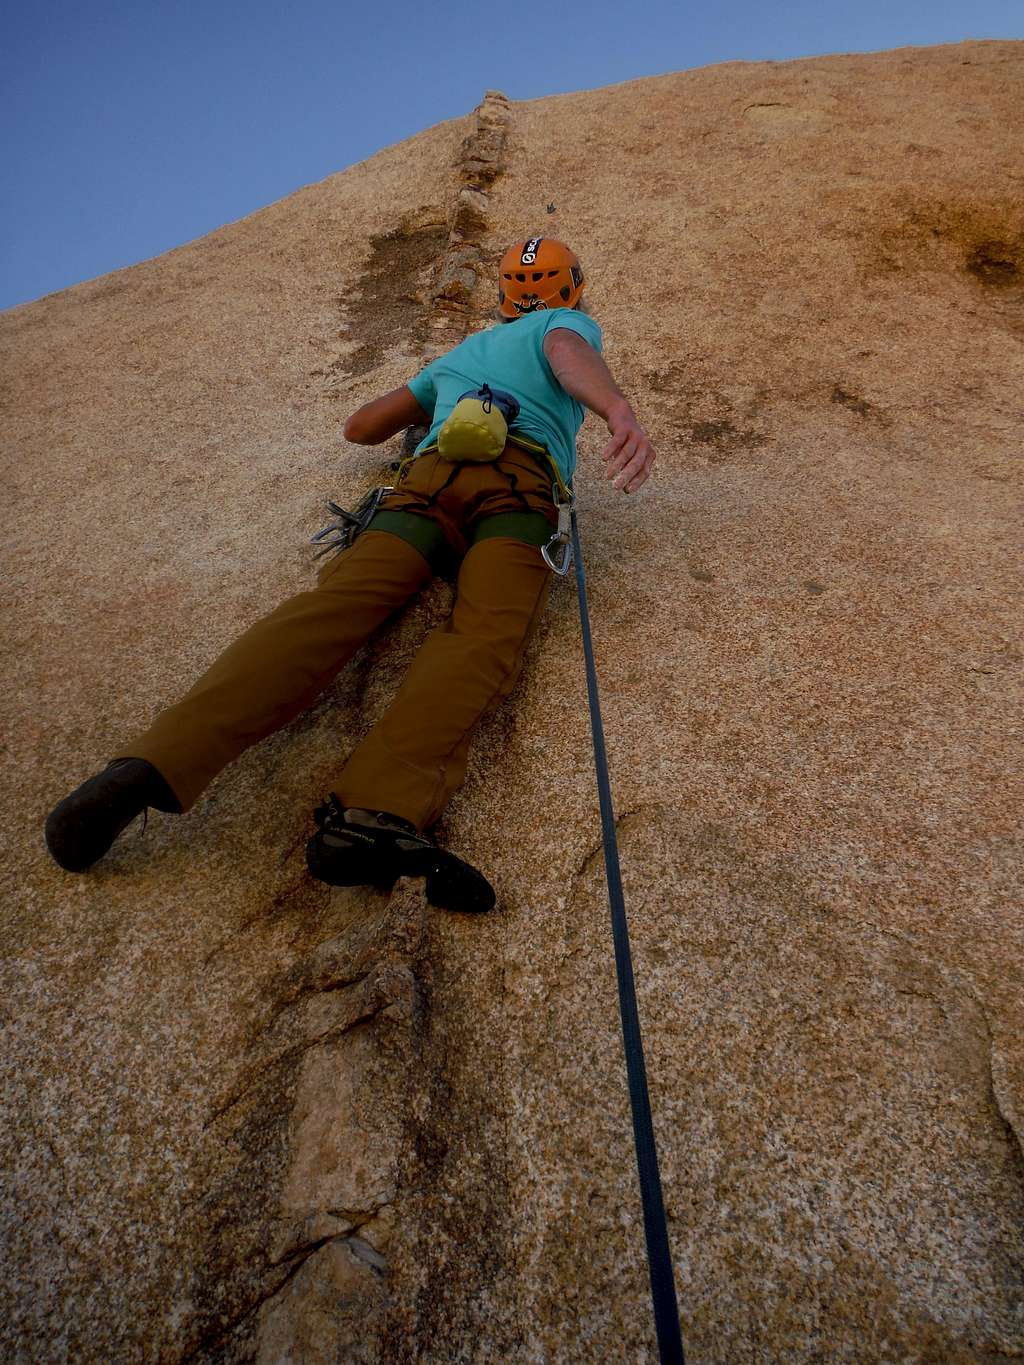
565 291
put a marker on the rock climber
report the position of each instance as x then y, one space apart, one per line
482 516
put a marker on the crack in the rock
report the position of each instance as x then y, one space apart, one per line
317 986
458 270
588 858
304 1250
354 1221
1016 1141
300 1256
295 1260
264 913
294 1051
1013 1137
575 876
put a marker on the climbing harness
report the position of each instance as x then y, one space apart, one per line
338 535
659 1256
478 406
476 432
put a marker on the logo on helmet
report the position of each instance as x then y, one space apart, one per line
530 250
530 303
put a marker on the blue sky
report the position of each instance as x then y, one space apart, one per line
130 128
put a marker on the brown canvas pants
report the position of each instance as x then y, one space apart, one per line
489 520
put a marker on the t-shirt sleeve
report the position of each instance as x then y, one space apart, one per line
575 321
424 390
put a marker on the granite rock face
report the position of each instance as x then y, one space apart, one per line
250 1119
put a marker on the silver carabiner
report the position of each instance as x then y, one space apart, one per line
557 553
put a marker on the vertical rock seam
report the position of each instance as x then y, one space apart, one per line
465 259
327 1247
356 1087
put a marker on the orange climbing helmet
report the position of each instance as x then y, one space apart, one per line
538 273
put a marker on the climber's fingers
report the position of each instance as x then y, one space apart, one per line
629 456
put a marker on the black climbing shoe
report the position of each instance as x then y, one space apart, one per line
372 848
81 828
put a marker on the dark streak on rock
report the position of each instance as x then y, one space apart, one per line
996 264
386 309
726 436
845 399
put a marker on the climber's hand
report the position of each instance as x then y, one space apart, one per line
628 456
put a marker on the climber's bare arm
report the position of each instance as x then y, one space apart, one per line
376 421
581 371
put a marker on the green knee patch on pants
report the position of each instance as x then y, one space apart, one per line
419 532
532 527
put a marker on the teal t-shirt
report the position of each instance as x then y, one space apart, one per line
510 356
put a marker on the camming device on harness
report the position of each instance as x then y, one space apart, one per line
340 534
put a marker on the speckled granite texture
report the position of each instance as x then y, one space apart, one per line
249 1119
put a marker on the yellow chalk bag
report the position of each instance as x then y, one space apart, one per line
476 430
